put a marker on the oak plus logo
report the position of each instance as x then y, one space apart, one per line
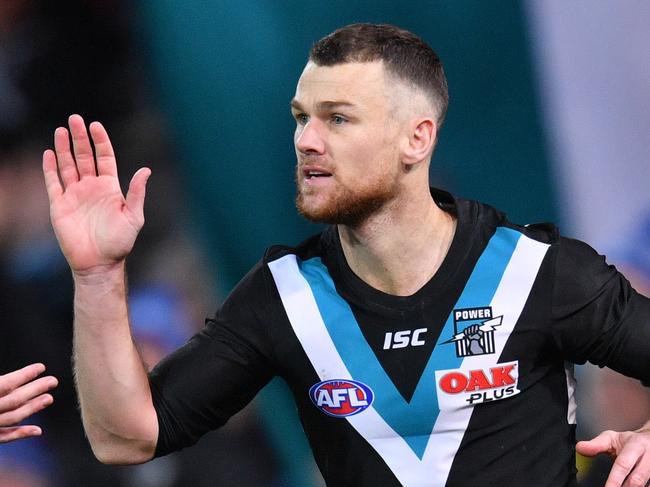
459 388
474 331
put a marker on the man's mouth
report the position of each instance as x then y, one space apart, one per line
312 173
316 174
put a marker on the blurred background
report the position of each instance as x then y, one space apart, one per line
548 121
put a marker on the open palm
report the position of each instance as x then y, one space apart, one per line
96 225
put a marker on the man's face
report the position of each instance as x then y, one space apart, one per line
346 142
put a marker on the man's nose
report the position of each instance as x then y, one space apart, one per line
309 138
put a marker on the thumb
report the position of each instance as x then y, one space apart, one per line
137 190
603 443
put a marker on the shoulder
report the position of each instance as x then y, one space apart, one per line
258 281
581 269
314 246
574 262
486 216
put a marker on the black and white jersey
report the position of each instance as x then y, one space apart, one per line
466 382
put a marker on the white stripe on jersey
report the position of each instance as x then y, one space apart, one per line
509 300
308 325
571 392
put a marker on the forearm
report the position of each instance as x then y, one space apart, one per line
112 384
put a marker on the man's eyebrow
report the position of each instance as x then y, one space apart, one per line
330 105
325 105
296 104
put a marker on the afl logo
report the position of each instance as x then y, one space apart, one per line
341 398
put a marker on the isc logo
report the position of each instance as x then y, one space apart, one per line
404 338
340 398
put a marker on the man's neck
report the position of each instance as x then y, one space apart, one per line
399 249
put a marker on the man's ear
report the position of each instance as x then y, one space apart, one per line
421 140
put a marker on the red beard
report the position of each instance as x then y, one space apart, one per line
346 206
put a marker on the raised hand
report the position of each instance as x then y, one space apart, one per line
21 395
95 224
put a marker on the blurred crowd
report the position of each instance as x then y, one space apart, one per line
58 58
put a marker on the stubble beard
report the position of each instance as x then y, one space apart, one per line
347 206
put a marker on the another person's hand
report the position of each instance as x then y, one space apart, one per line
21 395
632 451
95 224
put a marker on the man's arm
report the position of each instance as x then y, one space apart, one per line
631 449
22 394
604 320
96 226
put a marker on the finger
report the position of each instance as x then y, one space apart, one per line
603 443
23 394
634 480
67 166
17 378
83 152
12 418
136 194
623 465
51 175
106 164
18 432
640 475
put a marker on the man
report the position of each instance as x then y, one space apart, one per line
22 394
366 321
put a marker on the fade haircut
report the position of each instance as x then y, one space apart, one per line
404 55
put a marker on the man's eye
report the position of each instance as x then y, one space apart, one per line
301 118
338 119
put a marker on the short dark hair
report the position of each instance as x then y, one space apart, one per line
404 54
